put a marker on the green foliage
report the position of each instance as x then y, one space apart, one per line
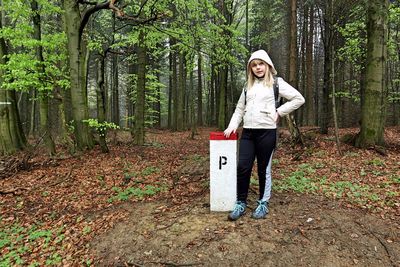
394 97
297 181
137 192
376 162
150 170
304 180
153 95
22 70
394 38
101 127
17 241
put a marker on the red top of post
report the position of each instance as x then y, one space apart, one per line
221 136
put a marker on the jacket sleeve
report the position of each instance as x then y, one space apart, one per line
239 112
293 97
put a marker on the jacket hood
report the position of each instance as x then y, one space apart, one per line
261 54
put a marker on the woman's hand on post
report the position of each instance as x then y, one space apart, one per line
229 131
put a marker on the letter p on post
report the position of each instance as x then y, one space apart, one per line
223 161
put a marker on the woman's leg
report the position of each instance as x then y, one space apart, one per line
268 181
245 164
265 145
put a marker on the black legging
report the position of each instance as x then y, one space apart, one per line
254 143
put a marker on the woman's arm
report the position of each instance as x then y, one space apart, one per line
293 97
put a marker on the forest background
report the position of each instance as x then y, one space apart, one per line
71 68
146 81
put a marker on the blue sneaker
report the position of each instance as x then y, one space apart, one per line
238 210
261 211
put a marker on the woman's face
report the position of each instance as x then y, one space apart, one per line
258 67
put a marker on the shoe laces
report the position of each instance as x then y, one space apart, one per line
239 207
262 207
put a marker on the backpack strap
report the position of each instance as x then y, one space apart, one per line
276 92
245 96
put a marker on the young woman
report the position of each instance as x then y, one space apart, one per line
256 106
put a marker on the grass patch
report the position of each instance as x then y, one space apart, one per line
297 181
150 170
137 192
196 158
305 180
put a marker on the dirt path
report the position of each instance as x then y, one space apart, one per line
300 230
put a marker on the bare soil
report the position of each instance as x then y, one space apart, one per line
300 230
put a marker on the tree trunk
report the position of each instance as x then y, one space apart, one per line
139 133
309 94
335 119
115 83
43 95
12 137
223 83
373 109
293 44
212 99
170 86
174 92
78 71
328 40
199 91
303 67
131 88
101 103
180 94
192 101
293 128
34 109
115 91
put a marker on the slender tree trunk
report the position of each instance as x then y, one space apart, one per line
132 71
115 91
212 96
309 91
199 91
328 40
34 107
373 110
293 44
192 101
303 47
139 131
174 92
170 86
180 94
223 84
101 103
115 84
293 128
78 71
335 119
44 99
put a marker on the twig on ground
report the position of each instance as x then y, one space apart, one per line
13 191
172 264
62 179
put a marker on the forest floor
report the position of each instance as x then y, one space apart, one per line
149 206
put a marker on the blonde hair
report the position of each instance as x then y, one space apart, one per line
268 80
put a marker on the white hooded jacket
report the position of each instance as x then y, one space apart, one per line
259 111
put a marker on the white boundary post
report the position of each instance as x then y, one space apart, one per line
223 161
